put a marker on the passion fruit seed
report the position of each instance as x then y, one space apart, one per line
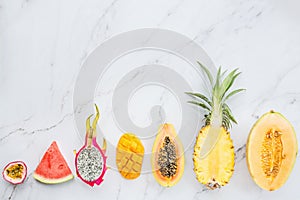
90 164
167 159
15 171
271 154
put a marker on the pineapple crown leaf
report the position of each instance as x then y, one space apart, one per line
227 113
216 87
223 73
200 96
220 87
207 72
202 105
233 93
227 82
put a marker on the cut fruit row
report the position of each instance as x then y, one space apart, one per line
271 148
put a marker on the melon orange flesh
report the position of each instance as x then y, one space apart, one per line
282 155
53 168
167 130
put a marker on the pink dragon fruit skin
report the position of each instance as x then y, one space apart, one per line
91 144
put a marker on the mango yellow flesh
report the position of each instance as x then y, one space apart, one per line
216 168
130 154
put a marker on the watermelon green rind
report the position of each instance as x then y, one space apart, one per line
53 168
52 181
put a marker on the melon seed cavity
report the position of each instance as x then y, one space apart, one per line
271 154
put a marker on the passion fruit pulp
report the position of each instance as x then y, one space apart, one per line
15 172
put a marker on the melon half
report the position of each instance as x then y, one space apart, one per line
271 151
53 168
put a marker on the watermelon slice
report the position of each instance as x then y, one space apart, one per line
53 168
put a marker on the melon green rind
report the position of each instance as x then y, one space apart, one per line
52 181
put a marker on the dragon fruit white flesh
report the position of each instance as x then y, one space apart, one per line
90 161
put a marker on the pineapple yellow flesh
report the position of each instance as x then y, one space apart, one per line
217 167
210 140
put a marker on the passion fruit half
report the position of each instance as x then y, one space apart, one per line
15 172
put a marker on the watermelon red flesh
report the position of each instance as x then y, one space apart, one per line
53 168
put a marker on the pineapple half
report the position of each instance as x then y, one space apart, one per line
214 152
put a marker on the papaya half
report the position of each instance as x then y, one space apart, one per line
167 156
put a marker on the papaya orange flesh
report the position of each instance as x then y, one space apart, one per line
167 156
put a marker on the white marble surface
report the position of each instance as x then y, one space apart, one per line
44 43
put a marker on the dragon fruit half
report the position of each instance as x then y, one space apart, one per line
90 161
